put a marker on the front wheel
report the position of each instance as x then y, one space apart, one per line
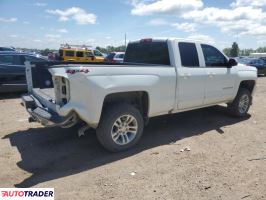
241 104
120 128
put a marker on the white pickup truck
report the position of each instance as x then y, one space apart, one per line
158 76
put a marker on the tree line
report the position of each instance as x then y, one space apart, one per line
232 51
235 51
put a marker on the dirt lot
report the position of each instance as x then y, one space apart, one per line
219 165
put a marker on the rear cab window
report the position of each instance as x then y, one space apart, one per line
188 54
148 52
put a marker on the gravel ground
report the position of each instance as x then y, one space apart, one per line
221 163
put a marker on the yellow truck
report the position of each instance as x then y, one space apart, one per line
80 53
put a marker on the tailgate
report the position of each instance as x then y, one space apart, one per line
41 83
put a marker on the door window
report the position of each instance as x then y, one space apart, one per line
9 59
257 62
89 54
188 54
80 54
213 57
69 53
121 56
33 59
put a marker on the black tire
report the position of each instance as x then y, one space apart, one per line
109 117
235 107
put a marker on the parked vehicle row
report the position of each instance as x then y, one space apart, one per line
159 76
12 70
259 63
115 57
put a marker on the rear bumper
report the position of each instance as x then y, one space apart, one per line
46 116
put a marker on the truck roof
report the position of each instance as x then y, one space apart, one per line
162 39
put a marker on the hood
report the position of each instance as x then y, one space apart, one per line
243 67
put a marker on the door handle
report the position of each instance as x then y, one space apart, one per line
186 75
211 74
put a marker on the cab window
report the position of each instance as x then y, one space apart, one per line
69 53
188 54
97 53
80 54
213 57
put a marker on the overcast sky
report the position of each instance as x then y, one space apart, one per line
47 24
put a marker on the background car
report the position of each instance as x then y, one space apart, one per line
260 64
12 70
115 57
263 58
79 53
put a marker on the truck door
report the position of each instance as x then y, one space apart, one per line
190 77
220 80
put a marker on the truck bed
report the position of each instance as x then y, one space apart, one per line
40 74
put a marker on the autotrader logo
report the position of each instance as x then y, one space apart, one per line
27 193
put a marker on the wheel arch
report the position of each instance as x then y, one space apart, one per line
248 84
139 99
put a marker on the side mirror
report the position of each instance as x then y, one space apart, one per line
231 62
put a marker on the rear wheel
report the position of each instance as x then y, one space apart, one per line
120 128
241 104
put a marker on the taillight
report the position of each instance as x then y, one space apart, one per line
62 93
